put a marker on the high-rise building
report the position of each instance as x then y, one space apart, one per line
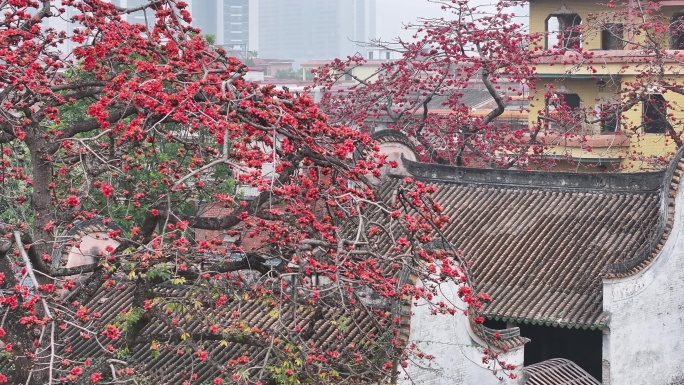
236 24
314 29
226 20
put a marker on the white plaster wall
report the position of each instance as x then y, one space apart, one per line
88 249
645 343
458 353
85 252
254 76
393 152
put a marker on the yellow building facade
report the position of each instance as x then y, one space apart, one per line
618 73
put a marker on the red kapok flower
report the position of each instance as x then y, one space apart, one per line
95 377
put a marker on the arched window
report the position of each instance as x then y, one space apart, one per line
563 29
564 98
564 111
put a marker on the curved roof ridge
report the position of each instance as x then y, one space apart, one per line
503 339
79 230
384 136
643 258
565 181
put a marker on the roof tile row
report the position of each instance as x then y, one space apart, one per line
541 252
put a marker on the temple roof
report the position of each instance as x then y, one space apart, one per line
540 243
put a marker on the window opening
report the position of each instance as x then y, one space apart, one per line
563 31
612 37
610 118
580 346
655 114
565 112
677 31
571 100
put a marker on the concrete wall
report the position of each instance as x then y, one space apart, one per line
458 352
655 144
650 144
593 14
540 11
646 338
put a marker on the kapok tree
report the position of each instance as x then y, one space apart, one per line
424 92
608 76
147 125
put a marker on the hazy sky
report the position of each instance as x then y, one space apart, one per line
393 14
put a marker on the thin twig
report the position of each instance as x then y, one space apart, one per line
29 270
52 351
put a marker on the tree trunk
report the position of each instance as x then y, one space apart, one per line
41 202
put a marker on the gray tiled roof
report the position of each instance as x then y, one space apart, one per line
540 243
323 327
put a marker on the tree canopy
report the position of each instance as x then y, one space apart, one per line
132 139
455 86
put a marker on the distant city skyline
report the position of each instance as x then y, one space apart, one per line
298 29
393 15
228 21
303 30
390 17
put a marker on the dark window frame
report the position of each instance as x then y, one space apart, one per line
654 115
677 30
609 118
568 34
613 37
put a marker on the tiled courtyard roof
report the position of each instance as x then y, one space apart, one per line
539 243
153 351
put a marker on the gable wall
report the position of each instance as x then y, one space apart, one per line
646 338
458 353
